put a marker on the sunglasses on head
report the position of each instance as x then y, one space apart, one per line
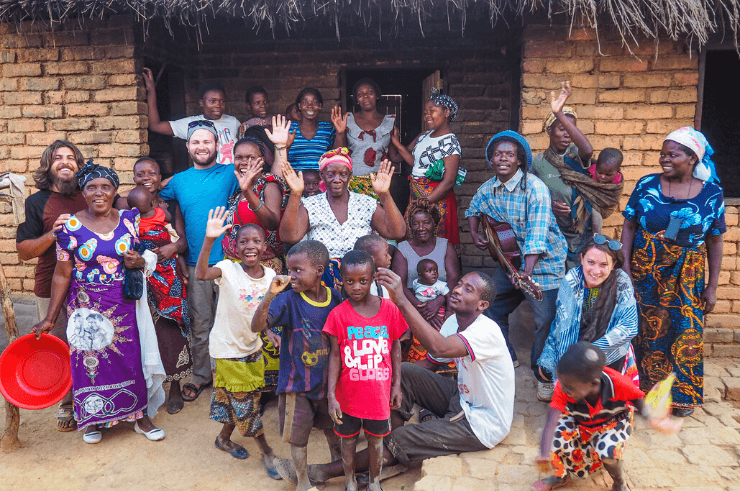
201 122
614 245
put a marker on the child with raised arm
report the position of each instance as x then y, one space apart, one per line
304 354
364 366
239 372
590 419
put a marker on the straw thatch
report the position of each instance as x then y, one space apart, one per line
694 20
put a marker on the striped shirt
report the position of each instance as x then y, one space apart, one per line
530 215
304 348
305 154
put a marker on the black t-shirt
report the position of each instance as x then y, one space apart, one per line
42 210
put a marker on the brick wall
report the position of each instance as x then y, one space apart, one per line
72 83
631 103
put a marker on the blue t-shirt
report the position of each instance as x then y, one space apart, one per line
305 154
304 348
652 210
198 191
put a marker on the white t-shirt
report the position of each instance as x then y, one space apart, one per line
238 297
485 378
429 149
226 126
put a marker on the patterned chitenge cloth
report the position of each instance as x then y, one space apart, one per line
669 281
237 384
107 376
168 301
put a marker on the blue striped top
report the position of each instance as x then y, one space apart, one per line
305 154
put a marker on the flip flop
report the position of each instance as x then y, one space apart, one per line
194 388
238 453
272 473
542 486
387 472
175 406
92 437
66 415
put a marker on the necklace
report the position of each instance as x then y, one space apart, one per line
687 194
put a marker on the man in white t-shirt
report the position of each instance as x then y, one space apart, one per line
474 413
212 100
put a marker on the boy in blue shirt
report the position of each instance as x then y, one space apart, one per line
304 353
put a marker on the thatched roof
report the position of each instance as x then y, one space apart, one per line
694 20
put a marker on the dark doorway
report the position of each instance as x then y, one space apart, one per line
720 119
402 95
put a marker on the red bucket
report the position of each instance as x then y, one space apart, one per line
35 373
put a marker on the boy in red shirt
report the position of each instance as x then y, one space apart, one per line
364 366
590 419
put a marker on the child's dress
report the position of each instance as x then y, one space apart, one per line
586 435
238 368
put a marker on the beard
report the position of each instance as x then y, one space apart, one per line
65 186
204 161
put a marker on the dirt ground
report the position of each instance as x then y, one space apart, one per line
185 460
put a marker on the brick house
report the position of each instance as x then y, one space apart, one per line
79 80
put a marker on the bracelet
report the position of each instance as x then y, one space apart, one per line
280 148
255 209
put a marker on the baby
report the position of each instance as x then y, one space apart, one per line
427 286
292 113
141 199
607 167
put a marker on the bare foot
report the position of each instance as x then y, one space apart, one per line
228 443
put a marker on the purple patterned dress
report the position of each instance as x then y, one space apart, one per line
107 378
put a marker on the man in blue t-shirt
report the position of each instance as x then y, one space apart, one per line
199 189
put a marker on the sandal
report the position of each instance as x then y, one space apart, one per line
238 452
553 482
66 419
193 388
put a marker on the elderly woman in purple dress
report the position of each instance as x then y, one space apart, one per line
93 248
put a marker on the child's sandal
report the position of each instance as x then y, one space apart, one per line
550 483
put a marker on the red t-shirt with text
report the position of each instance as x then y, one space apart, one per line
364 385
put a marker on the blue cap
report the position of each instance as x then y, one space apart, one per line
516 136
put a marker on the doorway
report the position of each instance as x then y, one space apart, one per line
404 94
720 116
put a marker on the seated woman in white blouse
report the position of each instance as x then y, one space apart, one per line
339 217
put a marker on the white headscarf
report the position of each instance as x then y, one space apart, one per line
697 142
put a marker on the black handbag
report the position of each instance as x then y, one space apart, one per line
133 279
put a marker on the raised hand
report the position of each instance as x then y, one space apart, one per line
247 177
293 180
279 283
382 181
339 121
557 103
280 134
215 227
148 79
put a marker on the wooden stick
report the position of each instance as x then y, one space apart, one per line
9 441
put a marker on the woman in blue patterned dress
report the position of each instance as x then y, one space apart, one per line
674 222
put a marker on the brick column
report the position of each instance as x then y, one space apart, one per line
72 83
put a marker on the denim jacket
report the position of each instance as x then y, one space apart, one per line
623 325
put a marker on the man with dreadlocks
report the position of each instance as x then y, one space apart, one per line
522 200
